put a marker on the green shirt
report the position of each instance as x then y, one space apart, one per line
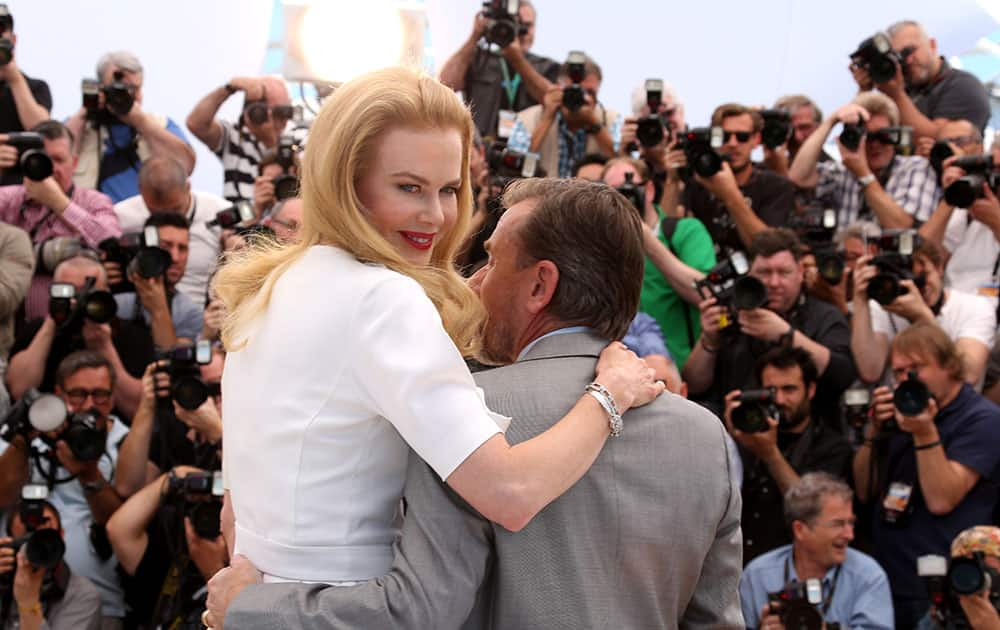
693 246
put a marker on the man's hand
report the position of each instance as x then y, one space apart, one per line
46 192
851 114
921 426
924 146
512 50
894 87
861 77
979 611
84 471
723 184
711 314
8 154
763 324
478 27
763 444
855 161
552 101
777 159
950 173
151 292
252 87
209 556
7 560
155 384
226 585
114 271
205 420
987 209
135 117
97 337
263 194
882 408
629 127
215 316
911 304
770 620
27 581
864 271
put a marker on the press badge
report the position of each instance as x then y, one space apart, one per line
506 125
896 500
989 289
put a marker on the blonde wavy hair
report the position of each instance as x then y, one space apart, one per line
342 143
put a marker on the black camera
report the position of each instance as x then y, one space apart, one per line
911 396
700 146
732 289
69 307
796 605
502 22
183 365
940 152
83 437
573 95
895 263
285 187
136 253
32 160
857 401
777 127
965 190
507 165
756 406
653 129
636 194
240 212
200 497
876 55
119 97
816 226
33 412
962 576
6 26
851 135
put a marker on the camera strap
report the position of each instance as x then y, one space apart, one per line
828 600
510 86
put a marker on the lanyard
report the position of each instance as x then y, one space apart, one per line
829 598
509 86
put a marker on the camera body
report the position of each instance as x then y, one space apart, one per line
816 226
876 55
119 97
796 604
6 45
777 127
732 289
653 129
199 496
69 307
84 438
701 148
240 212
33 412
507 165
911 396
502 22
183 366
756 406
136 253
895 263
573 95
635 193
962 576
32 160
857 402
965 190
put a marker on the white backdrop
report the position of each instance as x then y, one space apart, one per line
711 51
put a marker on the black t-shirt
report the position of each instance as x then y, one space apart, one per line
770 196
818 448
9 120
953 94
484 87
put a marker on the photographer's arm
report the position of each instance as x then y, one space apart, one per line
29 112
934 229
974 356
802 170
201 121
134 470
161 141
680 276
127 528
534 82
780 470
699 369
909 115
457 66
890 214
943 482
27 367
870 349
14 472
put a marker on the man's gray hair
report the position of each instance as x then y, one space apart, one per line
804 500
120 59
85 263
896 27
861 230
639 97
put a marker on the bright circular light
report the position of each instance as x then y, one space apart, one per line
343 40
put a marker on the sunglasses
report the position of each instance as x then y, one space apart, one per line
259 113
886 135
79 396
741 136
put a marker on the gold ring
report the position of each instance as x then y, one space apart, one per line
204 619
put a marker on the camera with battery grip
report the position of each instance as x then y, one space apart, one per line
286 185
894 261
901 138
653 129
240 212
6 44
701 148
756 406
69 307
796 605
815 226
44 547
42 414
503 25
136 253
182 364
198 496
962 576
979 171
119 98
32 160
777 127
875 54
635 193
732 289
574 97
507 165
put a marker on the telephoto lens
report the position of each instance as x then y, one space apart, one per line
911 396
851 135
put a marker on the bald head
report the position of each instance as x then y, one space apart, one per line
164 186
277 93
77 269
963 135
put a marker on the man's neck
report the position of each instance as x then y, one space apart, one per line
743 175
537 329
806 568
953 390
798 428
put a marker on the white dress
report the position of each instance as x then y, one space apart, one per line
348 364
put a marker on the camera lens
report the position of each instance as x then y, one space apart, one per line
190 393
911 397
831 268
649 131
750 417
749 293
573 98
884 288
257 113
966 576
501 33
84 439
36 164
6 51
45 548
964 191
882 69
850 136
100 307
285 187
150 262
205 519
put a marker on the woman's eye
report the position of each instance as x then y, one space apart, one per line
450 190
409 188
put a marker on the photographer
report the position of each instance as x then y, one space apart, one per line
931 473
664 160
24 102
167 561
53 598
779 441
969 320
925 88
970 235
267 109
678 253
805 118
561 135
113 142
53 207
852 242
871 181
853 588
498 85
164 188
80 488
723 358
278 179
977 610
15 278
742 199
285 219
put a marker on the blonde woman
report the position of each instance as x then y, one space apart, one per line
347 347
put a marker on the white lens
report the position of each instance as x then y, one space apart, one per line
47 413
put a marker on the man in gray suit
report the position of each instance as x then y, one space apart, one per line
648 538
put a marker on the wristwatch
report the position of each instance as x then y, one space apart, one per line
786 337
866 180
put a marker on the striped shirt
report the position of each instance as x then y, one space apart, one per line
912 184
572 144
240 153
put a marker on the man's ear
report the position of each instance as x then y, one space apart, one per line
544 280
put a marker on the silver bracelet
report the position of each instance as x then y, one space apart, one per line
607 402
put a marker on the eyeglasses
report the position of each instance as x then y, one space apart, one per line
258 113
741 136
886 135
961 141
79 396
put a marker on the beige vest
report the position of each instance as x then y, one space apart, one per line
549 149
92 149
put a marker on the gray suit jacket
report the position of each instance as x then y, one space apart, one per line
648 538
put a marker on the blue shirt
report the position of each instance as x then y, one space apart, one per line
861 597
644 337
572 144
120 164
186 315
969 429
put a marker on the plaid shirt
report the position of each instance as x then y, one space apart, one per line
912 184
572 144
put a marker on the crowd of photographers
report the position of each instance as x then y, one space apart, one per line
833 302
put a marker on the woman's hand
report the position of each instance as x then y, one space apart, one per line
631 382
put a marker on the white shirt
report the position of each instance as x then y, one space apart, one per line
974 251
347 365
962 315
205 244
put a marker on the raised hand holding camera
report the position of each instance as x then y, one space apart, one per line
751 423
46 192
763 324
28 582
910 305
